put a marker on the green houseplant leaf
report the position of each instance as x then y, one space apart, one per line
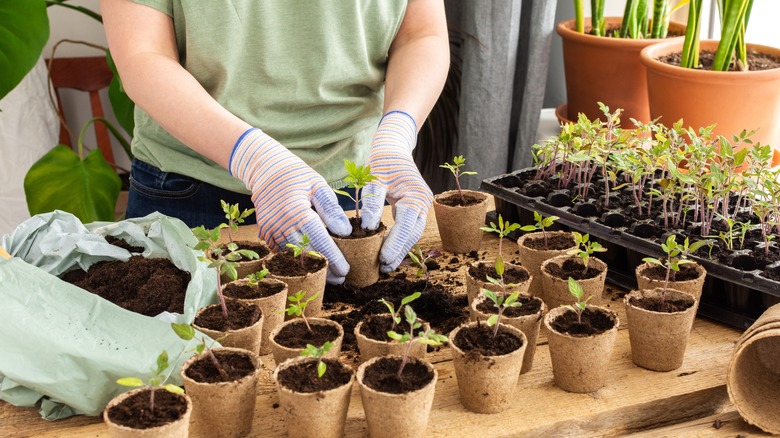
87 188
24 30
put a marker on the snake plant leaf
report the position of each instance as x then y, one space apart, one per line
60 180
24 30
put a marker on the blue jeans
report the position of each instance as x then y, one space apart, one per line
193 201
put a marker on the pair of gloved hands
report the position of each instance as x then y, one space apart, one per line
284 189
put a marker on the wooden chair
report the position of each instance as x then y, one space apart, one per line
90 74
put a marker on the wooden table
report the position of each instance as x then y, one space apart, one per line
688 402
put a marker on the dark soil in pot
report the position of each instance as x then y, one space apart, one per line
239 315
511 275
285 264
687 272
572 268
298 336
592 323
479 340
261 250
555 242
668 306
756 61
383 376
528 306
358 232
134 411
303 377
376 327
247 292
121 243
455 200
235 365
146 286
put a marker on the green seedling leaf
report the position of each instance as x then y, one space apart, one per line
130 381
184 331
173 389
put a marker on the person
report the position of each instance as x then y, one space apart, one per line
258 102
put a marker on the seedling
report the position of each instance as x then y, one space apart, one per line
255 278
187 333
234 217
676 255
357 178
457 162
579 306
318 353
503 229
501 302
428 337
396 314
154 383
541 224
420 261
585 248
302 247
297 307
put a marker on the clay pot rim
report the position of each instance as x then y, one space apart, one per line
240 330
294 277
481 297
513 330
299 360
357 332
669 293
364 366
699 268
566 30
123 396
650 54
601 265
553 313
252 356
521 241
313 320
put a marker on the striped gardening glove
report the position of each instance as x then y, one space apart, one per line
399 180
284 189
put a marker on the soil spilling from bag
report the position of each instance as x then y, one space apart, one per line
135 412
121 243
358 232
235 365
454 200
528 306
285 264
756 61
303 377
593 323
383 376
297 335
239 315
572 268
655 304
146 286
555 242
479 341
247 292
511 275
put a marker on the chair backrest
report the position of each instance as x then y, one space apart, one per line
90 74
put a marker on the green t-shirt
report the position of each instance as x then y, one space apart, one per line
309 73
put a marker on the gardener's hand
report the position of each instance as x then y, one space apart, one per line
399 180
284 189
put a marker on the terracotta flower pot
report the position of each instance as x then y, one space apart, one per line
282 353
556 290
580 363
311 283
222 409
362 254
659 339
370 348
532 258
486 384
248 338
396 415
693 287
753 380
309 414
528 324
177 428
606 69
272 306
734 100
459 225
475 285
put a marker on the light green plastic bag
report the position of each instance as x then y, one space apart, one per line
62 348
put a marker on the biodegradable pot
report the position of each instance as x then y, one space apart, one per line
248 338
272 306
474 285
371 348
580 363
606 69
753 380
532 258
246 267
396 415
528 324
556 290
223 409
362 254
697 96
459 226
486 384
770 316
282 353
693 287
308 414
177 428
311 283
658 339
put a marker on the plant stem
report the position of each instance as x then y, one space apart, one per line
222 302
666 280
357 203
216 364
305 321
460 191
151 399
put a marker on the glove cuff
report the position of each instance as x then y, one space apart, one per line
400 125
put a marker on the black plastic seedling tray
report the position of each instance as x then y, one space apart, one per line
732 296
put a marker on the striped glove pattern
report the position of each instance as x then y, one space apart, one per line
399 180
284 189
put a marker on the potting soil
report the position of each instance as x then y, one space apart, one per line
383 376
235 365
285 264
239 315
593 323
479 339
303 377
134 411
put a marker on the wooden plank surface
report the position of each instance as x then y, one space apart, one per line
684 402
